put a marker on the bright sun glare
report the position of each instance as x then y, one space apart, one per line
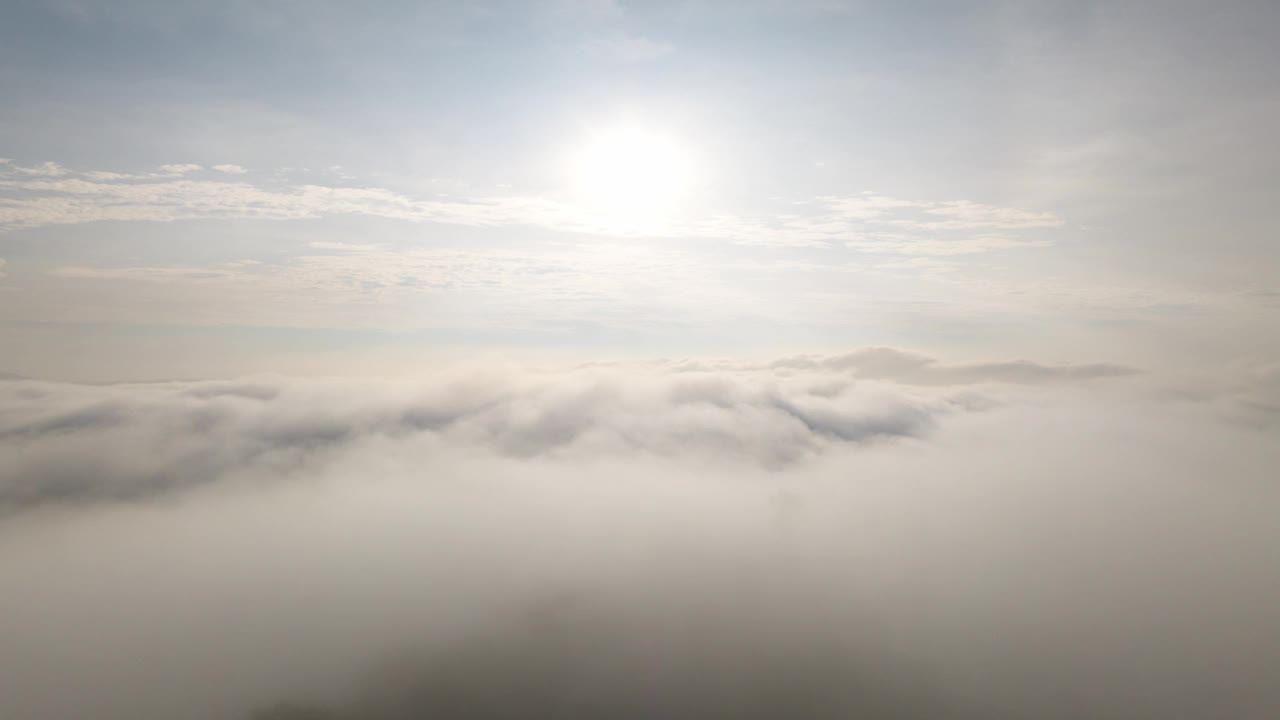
632 177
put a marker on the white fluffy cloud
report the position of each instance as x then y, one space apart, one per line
89 443
180 168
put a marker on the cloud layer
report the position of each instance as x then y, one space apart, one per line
878 534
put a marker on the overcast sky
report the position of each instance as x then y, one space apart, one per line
298 183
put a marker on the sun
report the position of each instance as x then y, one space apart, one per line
632 177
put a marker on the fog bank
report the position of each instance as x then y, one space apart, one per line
870 535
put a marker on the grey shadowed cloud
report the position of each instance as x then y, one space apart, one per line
911 368
68 443
89 443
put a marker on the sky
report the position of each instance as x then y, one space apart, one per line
307 182
604 358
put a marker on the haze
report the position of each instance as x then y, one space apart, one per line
603 359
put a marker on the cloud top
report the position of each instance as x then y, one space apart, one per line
876 534
82 443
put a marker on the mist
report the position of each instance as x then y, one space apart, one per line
679 359
827 538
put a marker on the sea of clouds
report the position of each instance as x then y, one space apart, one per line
877 534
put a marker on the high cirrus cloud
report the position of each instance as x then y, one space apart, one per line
50 194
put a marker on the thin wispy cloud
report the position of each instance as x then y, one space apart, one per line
96 196
180 168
